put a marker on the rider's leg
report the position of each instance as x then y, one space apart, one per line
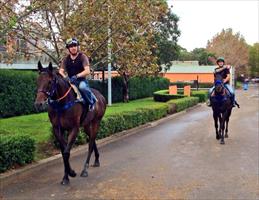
231 91
89 96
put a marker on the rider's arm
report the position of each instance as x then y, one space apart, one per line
222 68
227 78
62 70
86 65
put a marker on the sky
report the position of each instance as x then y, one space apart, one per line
200 20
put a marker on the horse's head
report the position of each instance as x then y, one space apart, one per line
219 86
45 82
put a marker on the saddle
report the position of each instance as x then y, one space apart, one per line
79 96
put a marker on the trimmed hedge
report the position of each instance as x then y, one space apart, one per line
183 103
139 87
164 96
123 121
17 90
201 94
193 84
119 122
17 149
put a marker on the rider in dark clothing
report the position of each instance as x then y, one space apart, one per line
76 66
223 70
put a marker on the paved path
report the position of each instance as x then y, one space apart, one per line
178 159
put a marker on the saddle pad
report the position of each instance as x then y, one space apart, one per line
78 94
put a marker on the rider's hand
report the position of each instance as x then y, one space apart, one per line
73 79
228 66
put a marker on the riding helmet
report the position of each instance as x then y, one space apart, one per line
72 42
221 59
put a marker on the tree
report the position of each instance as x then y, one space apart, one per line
254 60
40 23
202 56
185 55
132 25
232 47
166 39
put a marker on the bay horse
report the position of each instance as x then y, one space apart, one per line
67 114
222 107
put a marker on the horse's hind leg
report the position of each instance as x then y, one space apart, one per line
92 130
96 162
226 131
227 120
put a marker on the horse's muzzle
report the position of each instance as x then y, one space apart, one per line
40 105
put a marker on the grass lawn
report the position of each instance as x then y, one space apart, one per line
39 127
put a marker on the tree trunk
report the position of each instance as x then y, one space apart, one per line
125 89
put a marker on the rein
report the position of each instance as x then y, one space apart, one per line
64 96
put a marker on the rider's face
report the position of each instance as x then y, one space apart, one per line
73 50
220 63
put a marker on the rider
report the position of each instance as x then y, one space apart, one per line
223 70
76 66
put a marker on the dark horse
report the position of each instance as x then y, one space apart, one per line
222 107
67 114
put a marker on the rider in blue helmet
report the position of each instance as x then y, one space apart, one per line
76 66
224 71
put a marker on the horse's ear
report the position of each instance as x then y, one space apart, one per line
40 66
50 67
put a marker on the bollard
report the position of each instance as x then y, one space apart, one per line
173 89
187 90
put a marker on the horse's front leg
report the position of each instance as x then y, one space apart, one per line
59 135
66 155
215 116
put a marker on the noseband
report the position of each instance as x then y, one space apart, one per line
50 94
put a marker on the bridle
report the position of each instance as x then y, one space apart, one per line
53 89
219 83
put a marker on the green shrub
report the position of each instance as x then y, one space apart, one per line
192 83
17 149
119 122
139 87
17 92
201 94
183 103
163 96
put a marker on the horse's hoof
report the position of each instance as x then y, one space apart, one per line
72 173
222 142
96 164
226 136
65 182
217 137
84 173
